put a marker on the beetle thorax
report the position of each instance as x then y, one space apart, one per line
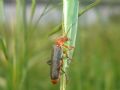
61 41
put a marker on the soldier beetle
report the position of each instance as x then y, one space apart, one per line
56 64
57 58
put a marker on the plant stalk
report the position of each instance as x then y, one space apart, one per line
2 18
70 21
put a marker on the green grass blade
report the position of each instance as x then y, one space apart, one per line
88 7
3 47
2 18
33 8
70 17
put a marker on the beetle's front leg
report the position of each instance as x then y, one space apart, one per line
66 52
68 47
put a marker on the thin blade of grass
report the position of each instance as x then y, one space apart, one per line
81 12
70 17
42 14
3 47
2 16
33 8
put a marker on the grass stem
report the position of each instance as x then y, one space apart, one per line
70 19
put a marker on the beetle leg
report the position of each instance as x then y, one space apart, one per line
49 62
60 65
68 47
66 55
62 71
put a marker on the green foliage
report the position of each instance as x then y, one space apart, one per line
95 64
23 56
2 10
70 20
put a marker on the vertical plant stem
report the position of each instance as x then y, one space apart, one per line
25 72
33 7
17 33
70 18
21 38
2 10
24 82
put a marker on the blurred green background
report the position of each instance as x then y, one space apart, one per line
96 61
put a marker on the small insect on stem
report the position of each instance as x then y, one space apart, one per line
57 58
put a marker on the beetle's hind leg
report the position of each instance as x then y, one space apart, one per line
66 55
63 72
